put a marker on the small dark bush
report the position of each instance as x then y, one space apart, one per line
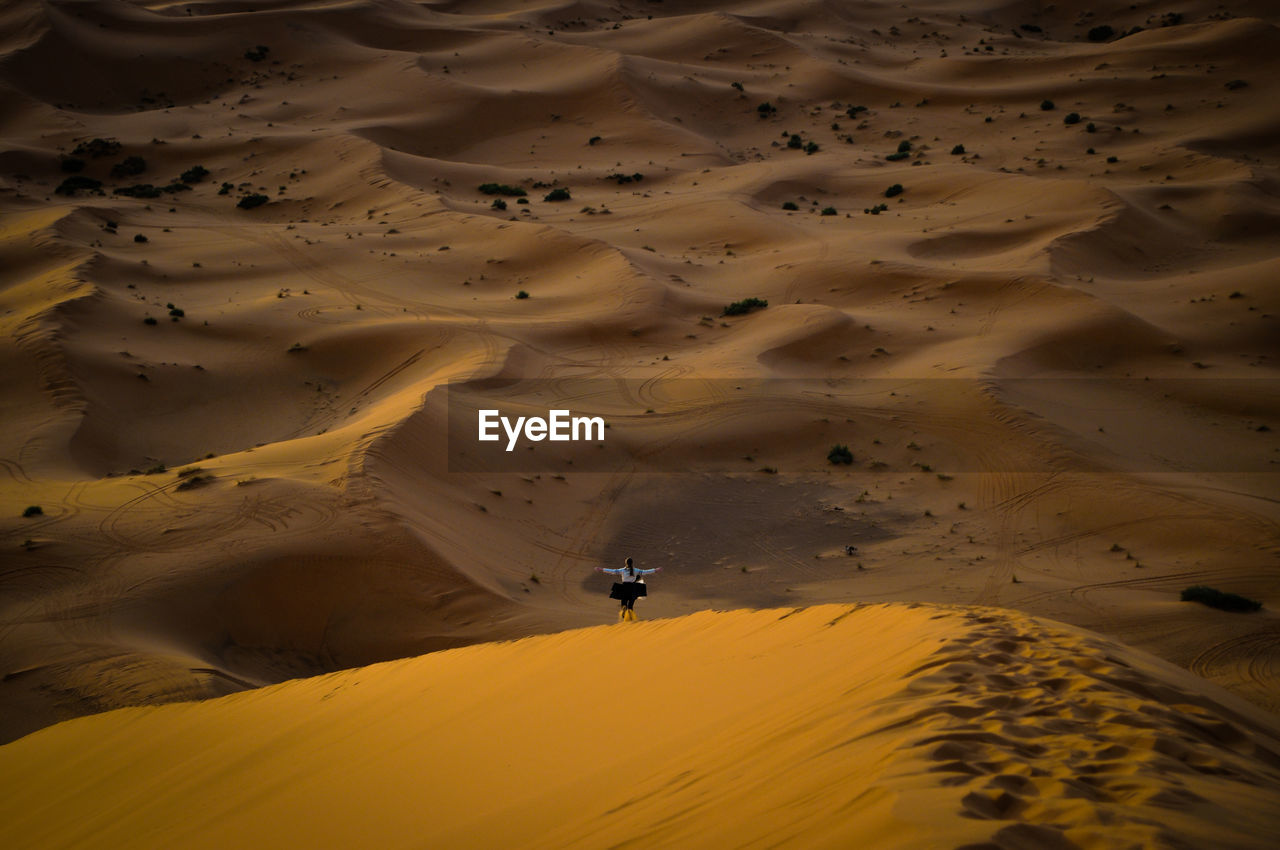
194 174
558 195
248 202
177 312
522 200
1071 118
138 190
1102 32
1091 127
522 295
257 54
840 454
1029 28
502 189
876 210
766 109
853 111
499 204
74 184
175 187
895 189
746 305
1113 159
737 85
1046 105
1218 599
139 238
593 140
795 142
811 148
70 164
129 167
790 205
1233 85
33 510
829 211
97 148
150 320
898 155
958 150
622 179
904 145
225 188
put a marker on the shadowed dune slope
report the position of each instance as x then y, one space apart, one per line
880 726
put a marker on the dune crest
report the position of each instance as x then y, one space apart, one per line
868 725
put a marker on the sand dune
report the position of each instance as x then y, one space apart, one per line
835 726
1052 356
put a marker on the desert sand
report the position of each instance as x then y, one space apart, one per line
232 393
887 725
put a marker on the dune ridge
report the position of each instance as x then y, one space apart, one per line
886 725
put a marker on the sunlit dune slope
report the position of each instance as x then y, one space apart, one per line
895 725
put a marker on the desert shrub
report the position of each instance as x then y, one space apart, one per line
853 111
139 238
194 174
593 140
795 142
177 312
840 454
1113 159
1029 28
746 305
811 148
737 85
70 164
1233 85
257 54
895 189
958 150
1219 599
499 204
790 205
150 320
1071 118
248 202
522 200
876 210
138 190
1102 32
97 148
194 481
558 195
129 167
904 145
621 179
829 211
1091 127
1046 104
74 184
766 109
521 295
897 155
502 189
175 187
225 188
33 510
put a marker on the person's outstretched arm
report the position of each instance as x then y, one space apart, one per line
606 570
647 572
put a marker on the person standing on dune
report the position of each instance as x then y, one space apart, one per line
629 587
